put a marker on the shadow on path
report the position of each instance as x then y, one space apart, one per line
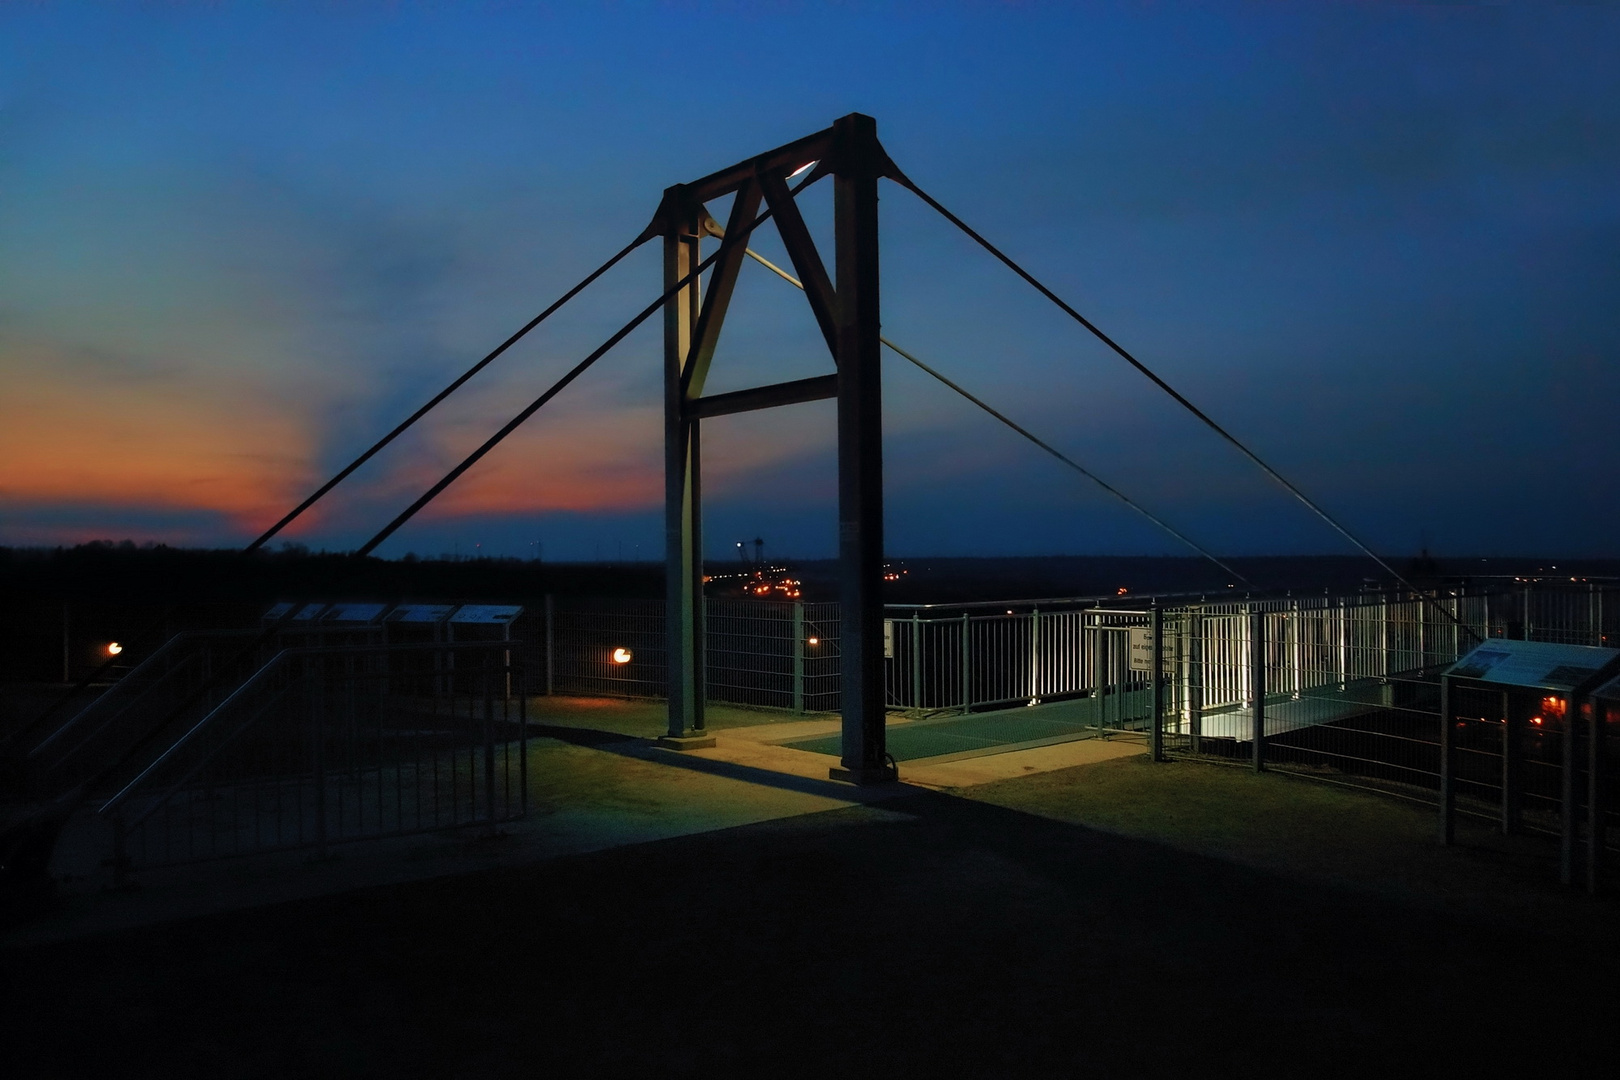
933 933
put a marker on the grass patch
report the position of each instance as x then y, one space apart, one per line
1317 831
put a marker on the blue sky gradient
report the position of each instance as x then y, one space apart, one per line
1380 243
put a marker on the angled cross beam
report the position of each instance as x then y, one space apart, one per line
806 260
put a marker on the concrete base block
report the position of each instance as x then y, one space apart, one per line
882 774
686 742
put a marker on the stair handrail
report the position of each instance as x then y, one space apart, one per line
252 681
263 672
131 678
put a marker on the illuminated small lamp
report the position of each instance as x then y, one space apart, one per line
622 655
113 648
802 169
812 641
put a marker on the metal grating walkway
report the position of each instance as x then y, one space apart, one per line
999 732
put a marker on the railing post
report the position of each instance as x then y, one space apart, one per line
1594 798
523 744
1344 644
967 670
1511 756
916 663
798 656
1457 625
1383 639
1257 687
1195 680
1566 802
1034 656
1156 685
551 644
1526 627
1097 674
1295 654
1423 638
1448 796
317 726
489 745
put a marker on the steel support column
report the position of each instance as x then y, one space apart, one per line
858 162
683 527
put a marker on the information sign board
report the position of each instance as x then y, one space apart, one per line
1542 664
1142 650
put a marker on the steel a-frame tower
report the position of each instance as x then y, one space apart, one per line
846 310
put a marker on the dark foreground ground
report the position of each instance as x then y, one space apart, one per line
929 934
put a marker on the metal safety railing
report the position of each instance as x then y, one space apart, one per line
179 681
972 657
1342 686
1356 698
760 653
326 745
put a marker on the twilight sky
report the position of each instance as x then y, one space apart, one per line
1380 243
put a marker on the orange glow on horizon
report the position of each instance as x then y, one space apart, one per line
184 455
143 447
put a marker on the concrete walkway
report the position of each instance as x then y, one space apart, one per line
761 748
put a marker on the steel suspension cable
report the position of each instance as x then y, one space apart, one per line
911 186
578 369
446 392
1070 462
103 667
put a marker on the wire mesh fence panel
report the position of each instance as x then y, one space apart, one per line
1576 613
755 648
323 746
759 653
822 657
1485 772
609 647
